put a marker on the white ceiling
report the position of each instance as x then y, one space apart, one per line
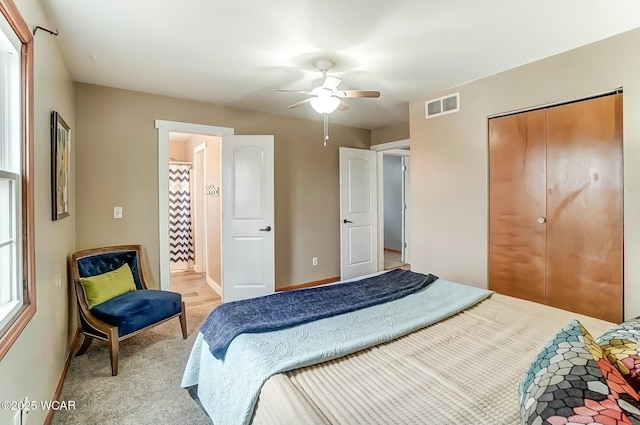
234 52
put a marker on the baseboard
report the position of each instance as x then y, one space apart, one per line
393 250
56 396
214 285
310 284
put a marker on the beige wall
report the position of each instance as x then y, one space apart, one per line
449 156
117 151
214 217
191 143
390 133
178 150
32 367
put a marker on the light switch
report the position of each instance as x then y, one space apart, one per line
117 212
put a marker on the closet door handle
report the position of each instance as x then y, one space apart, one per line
345 221
266 229
542 220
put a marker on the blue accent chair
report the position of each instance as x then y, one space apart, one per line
127 314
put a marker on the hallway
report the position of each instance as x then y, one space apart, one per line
194 289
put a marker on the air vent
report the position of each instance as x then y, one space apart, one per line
442 106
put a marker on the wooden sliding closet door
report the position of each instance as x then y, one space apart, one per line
584 203
517 186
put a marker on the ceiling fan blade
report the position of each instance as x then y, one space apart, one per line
293 91
295 105
343 106
331 82
358 93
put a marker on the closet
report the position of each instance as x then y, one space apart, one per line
556 206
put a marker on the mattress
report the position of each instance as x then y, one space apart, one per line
463 370
228 388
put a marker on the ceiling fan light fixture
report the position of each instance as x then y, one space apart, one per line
324 96
324 104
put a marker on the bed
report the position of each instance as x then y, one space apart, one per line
447 354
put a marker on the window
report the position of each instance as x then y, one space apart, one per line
17 286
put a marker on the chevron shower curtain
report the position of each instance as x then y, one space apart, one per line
181 254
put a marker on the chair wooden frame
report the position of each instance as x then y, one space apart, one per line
105 331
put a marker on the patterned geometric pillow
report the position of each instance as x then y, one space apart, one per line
571 382
621 346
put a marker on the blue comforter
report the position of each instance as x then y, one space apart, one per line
285 309
228 389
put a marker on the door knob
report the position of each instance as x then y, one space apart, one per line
266 229
541 220
345 221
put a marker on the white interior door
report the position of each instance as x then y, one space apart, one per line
248 250
358 213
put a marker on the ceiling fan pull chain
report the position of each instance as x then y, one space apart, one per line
326 128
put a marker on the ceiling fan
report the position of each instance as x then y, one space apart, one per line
325 96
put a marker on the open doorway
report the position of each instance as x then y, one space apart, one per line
394 204
362 209
194 217
247 230
394 209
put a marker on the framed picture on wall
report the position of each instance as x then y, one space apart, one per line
60 166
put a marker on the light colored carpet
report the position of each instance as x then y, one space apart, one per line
146 390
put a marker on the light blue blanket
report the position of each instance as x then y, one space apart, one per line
290 308
228 389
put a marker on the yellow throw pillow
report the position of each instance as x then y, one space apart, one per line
103 287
